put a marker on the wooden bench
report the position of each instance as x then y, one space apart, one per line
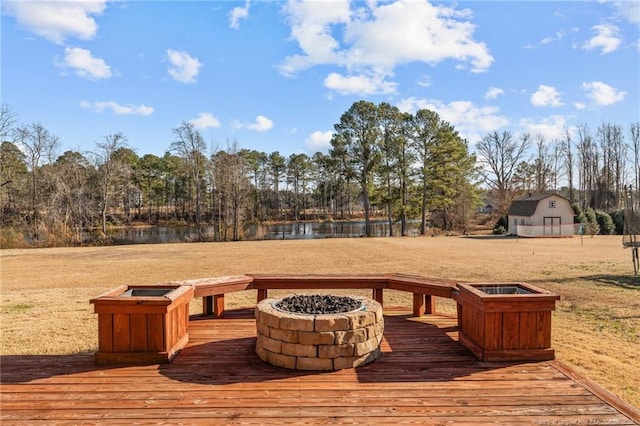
424 289
212 291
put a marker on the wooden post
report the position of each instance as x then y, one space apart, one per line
207 305
218 306
262 294
430 304
418 304
423 304
378 295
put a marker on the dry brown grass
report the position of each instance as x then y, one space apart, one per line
45 292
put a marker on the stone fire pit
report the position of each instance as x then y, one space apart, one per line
317 337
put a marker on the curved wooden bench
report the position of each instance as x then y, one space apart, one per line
212 290
424 289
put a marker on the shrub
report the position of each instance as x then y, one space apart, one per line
618 221
591 223
581 218
604 222
12 238
499 230
501 226
577 210
592 228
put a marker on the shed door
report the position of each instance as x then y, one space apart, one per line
552 225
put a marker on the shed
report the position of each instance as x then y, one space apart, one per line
541 215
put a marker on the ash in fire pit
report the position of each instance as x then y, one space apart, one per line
318 304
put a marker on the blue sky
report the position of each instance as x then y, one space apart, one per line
277 75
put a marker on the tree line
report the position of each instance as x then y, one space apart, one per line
382 163
603 164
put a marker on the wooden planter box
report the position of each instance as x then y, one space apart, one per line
142 325
506 321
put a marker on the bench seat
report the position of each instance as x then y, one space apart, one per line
424 289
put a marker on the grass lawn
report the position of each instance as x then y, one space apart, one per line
45 292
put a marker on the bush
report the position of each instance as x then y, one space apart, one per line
501 226
604 222
592 228
581 218
12 238
577 210
618 221
590 222
499 230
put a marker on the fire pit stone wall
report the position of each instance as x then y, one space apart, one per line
318 341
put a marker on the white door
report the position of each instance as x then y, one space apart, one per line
552 225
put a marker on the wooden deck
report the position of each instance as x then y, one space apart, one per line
424 376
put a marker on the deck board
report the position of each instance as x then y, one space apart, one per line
424 376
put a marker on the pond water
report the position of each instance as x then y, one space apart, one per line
287 231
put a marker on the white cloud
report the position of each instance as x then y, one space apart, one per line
85 64
579 105
262 124
607 39
184 68
205 120
601 93
550 128
238 14
319 141
629 10
359 84
493 93
559 35
116 108
546 96
415 31
372 39
57 20
311 23
472 122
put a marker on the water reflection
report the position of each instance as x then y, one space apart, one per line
287 231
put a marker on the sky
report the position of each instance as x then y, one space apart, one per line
277 75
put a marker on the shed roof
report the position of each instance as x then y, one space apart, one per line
526 206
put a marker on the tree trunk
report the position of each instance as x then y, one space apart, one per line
423 209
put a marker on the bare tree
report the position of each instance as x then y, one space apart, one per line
567 154
610 177
13 175
8 156
634 131
543 165
71 203
498 156
37 144
190 145
109 171
7 121
233 185
556 164
587 165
